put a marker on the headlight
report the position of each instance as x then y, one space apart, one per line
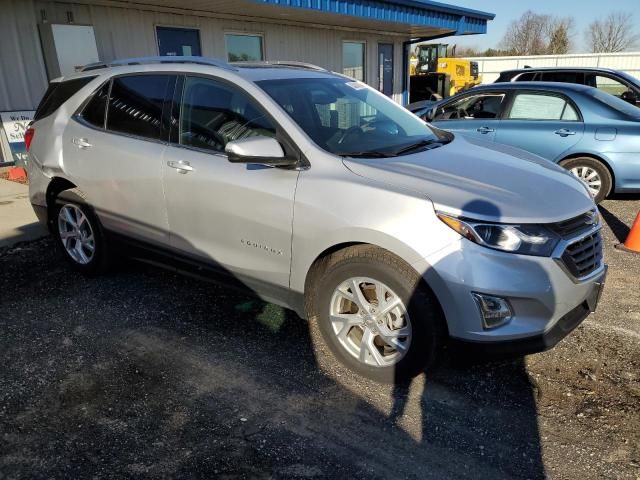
528 239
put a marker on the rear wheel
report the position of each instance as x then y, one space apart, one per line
593 173
375 314
78 233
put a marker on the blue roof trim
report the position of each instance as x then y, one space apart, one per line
423 13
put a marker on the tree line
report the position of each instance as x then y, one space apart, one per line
541 34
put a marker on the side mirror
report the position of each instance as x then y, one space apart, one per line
261 150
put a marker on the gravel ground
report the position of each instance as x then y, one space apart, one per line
144 373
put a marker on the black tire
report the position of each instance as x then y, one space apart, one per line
99 262
427 323
599 167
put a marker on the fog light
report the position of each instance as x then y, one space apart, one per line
495 311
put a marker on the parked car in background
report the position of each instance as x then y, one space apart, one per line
318 193
614 82
594 135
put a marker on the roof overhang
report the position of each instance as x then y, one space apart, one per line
413 18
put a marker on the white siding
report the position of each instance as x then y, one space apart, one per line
490 67
130 32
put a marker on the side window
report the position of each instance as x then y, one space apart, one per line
135 105
610 85
94 112
539 106
527 77
472 107
214 114
563 77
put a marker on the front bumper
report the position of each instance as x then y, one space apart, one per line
548 303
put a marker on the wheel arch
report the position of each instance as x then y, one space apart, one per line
56 185
316 265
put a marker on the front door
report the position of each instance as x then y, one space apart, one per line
385 68
178 41
236 218
541 122
473 114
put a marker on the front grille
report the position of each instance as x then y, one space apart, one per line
584 256
576 225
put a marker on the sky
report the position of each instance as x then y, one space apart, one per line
583 12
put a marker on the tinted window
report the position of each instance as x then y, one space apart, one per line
349 118
57 93
526 77
95 110
135 105
472 107
563 77
214 114
539 106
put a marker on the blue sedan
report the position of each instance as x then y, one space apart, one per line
589 132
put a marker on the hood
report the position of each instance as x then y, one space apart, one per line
483 181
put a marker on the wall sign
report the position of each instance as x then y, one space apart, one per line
14 124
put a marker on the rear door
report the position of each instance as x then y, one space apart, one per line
113 151
473 114
544 123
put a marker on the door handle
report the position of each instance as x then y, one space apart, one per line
181 165
563 132
81 143
485 130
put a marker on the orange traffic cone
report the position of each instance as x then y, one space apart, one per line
632 244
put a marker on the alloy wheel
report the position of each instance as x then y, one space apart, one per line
590 177
370 321
76 234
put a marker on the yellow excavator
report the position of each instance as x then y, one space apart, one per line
436 73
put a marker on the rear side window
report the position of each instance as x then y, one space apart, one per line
58 93
94 112
526 77
135 105
538 106
563 77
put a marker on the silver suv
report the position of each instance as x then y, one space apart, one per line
319 194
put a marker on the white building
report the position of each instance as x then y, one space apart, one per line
367 39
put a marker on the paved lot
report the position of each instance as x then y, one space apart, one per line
144 373
18 223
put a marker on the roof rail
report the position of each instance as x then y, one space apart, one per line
160 59
281 63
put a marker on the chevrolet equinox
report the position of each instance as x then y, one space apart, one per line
320 194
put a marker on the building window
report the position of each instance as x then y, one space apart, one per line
353 60
244 47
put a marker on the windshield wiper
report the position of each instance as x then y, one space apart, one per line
418 145
371 154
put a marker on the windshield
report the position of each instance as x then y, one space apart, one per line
348 118
616 103
629 78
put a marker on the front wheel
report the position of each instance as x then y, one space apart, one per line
375 314
593 173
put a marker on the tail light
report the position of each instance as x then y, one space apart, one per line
28 137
